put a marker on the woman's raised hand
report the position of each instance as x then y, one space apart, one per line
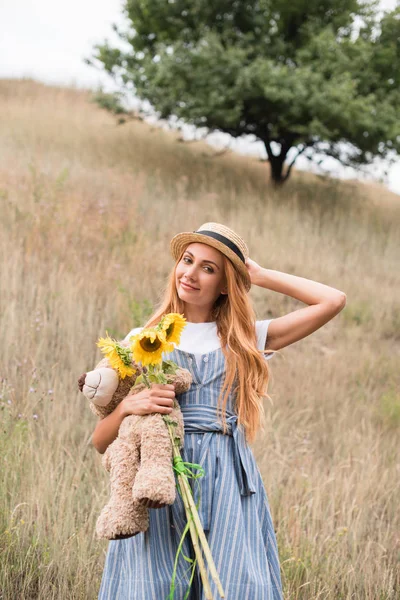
157 398
253 268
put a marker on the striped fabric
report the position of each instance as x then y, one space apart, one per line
234 510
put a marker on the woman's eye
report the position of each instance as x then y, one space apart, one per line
207 267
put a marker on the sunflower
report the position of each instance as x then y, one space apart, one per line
120 358
172 324
148 345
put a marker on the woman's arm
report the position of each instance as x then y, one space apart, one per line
107 429
324 302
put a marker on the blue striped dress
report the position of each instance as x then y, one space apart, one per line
233 510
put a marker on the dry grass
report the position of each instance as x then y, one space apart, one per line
87 211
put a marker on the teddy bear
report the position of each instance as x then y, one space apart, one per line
139 460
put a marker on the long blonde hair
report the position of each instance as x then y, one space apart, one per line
235 318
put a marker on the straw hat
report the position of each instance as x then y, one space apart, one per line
220 237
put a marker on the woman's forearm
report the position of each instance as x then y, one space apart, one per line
107 429
305 290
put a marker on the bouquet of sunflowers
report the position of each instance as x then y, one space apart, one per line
147 448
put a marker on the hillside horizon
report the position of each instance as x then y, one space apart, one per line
374 191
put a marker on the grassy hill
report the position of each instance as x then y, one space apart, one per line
87 211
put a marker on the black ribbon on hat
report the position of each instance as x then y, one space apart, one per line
224 240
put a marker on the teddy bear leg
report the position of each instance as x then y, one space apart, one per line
155 485
122 517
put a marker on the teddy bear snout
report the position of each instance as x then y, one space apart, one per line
100 385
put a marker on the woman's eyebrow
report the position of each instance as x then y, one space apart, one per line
205 260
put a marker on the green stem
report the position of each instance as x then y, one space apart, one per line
146 381
193 562
181 469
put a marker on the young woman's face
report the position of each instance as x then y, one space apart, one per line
201 267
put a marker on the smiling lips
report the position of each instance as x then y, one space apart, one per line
186 286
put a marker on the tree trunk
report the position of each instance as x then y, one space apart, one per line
277 161
276 165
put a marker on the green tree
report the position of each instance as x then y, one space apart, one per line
313 75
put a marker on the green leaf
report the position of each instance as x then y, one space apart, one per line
162 378
169 367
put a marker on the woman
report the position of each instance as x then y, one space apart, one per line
223 347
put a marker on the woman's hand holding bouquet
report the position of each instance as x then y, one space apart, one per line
158 398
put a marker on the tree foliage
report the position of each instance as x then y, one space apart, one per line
304 74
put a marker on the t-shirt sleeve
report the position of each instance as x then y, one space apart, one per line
132 332
262 333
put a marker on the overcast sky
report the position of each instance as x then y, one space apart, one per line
48 40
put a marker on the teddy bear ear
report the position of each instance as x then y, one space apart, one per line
81 381
182 380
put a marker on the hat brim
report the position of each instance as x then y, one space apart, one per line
180 240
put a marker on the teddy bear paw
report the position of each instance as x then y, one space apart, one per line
154 488
122 522
148 503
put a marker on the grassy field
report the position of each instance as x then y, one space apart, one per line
87 211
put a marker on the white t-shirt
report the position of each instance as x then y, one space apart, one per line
201 338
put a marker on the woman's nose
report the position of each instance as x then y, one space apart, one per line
190 271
